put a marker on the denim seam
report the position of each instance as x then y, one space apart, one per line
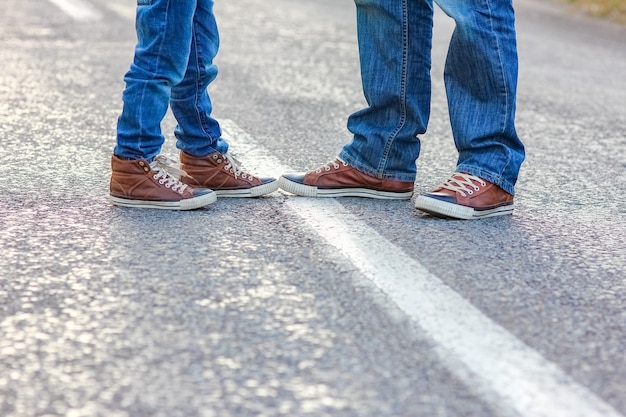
502 79
199 91
154 76
500 60
403 82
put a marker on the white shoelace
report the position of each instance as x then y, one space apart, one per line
233 167
335 164
168 174
464 184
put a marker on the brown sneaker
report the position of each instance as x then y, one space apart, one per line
465 196
138 183
222 174
338 179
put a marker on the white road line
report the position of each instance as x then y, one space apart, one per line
78 9
126 10
509 375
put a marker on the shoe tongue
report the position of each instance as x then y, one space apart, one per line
169 166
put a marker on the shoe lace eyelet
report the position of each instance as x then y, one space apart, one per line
476 188
470 192
326 168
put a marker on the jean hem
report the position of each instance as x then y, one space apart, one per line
201 154
393 176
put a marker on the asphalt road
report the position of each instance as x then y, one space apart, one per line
282 306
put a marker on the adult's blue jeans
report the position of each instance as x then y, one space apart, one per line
395 40
177 41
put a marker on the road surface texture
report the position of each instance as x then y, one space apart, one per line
286 306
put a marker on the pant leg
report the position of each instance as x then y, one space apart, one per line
481 83
161 57
395 39
197 132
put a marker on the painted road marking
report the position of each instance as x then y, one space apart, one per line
507 373
78 9
124 9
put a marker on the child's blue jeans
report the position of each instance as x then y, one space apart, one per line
177 41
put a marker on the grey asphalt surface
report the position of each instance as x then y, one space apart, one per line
240 309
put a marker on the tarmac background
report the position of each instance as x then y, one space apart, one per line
240 309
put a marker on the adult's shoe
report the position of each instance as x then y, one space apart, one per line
338 179
467 197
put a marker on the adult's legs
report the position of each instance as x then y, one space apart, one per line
481 84
481 81
395 38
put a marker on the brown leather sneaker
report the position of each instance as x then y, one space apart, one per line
222 174
138 183
338 179
467 197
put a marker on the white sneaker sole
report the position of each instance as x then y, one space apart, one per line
186 204
311 191
257 191
443 209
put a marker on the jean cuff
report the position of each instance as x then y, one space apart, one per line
393 176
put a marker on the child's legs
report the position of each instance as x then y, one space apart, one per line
161 57
197 132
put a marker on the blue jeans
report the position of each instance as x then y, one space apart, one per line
395 42
177 41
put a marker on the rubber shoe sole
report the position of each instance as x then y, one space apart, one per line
312 191
257 191
444 209
186 204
